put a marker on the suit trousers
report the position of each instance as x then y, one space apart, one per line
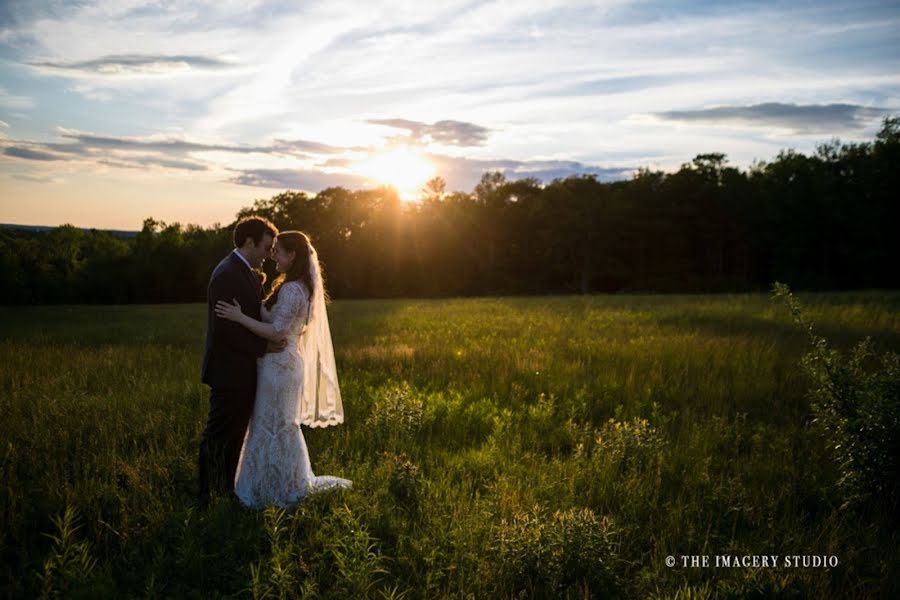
220 446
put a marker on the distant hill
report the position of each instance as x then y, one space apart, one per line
44 228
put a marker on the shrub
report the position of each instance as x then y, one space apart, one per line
68 569
399 410
405 483
856 405
630 444
568 553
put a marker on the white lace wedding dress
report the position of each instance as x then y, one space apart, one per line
274 466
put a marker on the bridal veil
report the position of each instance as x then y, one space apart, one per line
320 396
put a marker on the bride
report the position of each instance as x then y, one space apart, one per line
294 387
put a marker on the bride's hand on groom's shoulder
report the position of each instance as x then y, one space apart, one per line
232 312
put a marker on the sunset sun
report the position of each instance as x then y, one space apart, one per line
403 169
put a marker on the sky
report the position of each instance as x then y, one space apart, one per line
115 111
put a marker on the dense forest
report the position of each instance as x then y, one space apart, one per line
821 222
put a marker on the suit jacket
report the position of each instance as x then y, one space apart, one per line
229 360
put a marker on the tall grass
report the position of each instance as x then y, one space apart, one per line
499 447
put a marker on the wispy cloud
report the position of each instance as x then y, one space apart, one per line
447 133
32 178
804 119
136 162
185 153
298 179
30 154
14 102
126 162
171 144
460 173
295 146
463 173
337 162
130 152
135 64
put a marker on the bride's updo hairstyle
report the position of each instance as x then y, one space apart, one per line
298 242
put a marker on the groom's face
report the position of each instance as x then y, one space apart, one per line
262 250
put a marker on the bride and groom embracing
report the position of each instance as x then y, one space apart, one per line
269 363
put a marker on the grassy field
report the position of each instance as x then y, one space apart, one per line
542 447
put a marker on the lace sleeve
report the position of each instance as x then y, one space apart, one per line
290 302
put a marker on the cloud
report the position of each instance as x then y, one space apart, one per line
291 146
13 102
29 154
177 152
121 151
32 178
170 163
160 144
4 124
448 132
135 64
120 161
811 118
182 145
462 173
548 171
142 161
337 162
298 179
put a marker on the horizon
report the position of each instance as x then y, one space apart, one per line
249 100
219 224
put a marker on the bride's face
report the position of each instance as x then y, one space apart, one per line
283 258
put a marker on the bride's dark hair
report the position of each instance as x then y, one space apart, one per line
298 242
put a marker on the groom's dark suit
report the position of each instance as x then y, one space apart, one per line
229 368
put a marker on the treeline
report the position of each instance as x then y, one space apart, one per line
825 221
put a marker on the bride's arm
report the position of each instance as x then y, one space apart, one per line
232 312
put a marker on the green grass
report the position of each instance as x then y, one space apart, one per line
545 446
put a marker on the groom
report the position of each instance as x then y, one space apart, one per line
229 361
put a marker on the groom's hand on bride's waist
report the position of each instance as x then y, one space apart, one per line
276 346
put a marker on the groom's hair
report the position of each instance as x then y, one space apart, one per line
253 227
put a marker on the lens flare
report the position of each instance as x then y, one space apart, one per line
405 170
